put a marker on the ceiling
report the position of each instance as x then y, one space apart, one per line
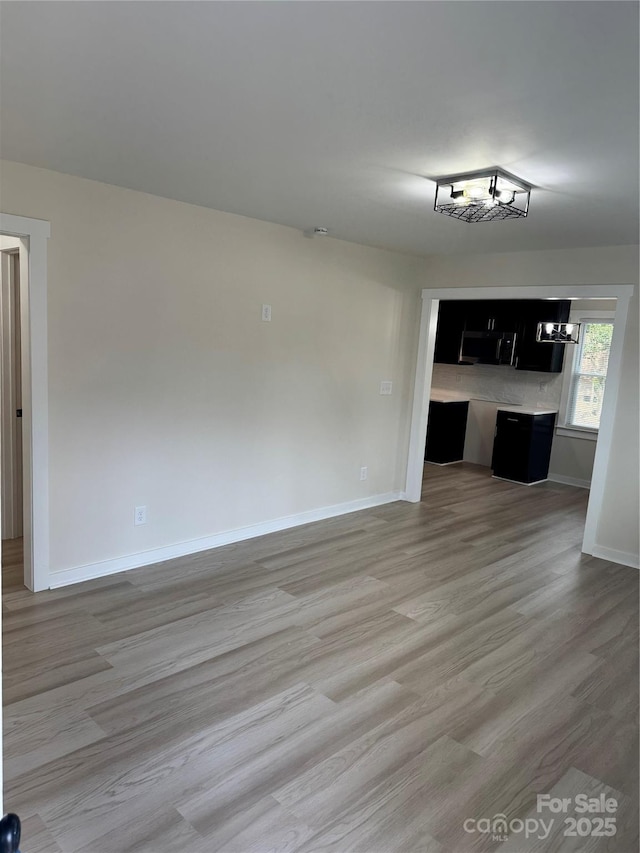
338 114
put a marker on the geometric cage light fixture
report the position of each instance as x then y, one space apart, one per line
485 196
558 333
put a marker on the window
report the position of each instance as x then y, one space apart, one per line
585 375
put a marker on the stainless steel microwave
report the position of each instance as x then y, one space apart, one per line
488 347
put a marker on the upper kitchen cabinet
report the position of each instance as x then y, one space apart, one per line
451 319
531 355
455 318
484 331
491 315
476 332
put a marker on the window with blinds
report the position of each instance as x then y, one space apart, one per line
589 374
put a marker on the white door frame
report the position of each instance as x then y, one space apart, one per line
11 392
424 367
35 407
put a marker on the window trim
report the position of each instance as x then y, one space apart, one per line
582 315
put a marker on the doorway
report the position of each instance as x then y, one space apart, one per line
11 511
31 236
424 368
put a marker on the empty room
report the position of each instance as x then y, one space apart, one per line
319 433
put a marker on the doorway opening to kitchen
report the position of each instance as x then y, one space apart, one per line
543 391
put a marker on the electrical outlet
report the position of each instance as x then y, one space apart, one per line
140 515
542 386
363 472
266 313
386 387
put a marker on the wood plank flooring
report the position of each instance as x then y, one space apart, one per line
367 683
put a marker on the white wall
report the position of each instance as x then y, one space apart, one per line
167 390
572 459
618 529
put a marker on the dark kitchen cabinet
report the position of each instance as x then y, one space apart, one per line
522 445
491 315
456 317
446 431
531 355
451 318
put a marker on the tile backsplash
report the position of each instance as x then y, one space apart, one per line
500 384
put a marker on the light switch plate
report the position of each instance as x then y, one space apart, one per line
386 387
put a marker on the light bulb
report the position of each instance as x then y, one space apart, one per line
475 192
505 196
569 328
549 328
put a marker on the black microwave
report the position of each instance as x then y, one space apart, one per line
488 348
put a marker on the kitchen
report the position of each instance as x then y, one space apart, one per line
493 381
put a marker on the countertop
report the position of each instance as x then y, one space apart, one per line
525 410
448 398
439 396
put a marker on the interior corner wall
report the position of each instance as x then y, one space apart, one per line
572 459
167 390
617 534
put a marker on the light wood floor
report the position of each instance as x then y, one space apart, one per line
366 683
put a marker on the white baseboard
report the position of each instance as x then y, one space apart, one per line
193 546
569 481
517 482
615 556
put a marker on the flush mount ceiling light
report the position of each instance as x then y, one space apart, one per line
482 196
558 333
